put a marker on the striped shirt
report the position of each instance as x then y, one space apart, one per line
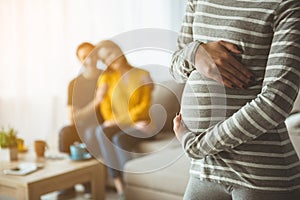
238 136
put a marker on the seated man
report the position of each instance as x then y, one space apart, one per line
81 105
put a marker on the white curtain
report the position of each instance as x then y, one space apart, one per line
38 39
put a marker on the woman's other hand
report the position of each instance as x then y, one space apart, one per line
178 127
109 123
100 94
146 127
214 60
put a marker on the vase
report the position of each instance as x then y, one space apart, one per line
13 153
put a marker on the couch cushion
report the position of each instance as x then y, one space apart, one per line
166 171
296 107
165 103
293 126
161 141
295 139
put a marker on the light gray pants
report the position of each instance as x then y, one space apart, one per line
204 190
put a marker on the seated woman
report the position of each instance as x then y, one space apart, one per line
125 93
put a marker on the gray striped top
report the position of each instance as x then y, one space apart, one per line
238 136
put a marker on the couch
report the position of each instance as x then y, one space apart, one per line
162 170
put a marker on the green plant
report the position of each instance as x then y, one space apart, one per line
8 138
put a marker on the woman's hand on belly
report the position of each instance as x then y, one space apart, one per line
148 128
179 127
214 60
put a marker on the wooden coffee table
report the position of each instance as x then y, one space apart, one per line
55 175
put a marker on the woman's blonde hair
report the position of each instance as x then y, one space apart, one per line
111 44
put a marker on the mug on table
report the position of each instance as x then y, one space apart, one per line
40 147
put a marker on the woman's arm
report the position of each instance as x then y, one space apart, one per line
214 59
272 105
182 63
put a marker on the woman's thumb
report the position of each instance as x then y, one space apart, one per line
230 47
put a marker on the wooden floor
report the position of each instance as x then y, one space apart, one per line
110 195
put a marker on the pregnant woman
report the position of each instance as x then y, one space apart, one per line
240 61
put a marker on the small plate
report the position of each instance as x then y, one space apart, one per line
85 156
23 169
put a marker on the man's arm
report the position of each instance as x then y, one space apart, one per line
70 101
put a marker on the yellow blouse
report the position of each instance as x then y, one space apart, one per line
128 98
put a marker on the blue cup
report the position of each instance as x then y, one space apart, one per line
79 152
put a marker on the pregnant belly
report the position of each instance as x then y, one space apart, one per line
206 102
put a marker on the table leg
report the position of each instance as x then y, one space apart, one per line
98 182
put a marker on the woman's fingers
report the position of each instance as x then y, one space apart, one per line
227 79
222 69
231 74
177 122
245 73
230 47
238 66
214 60
223 64
224 81
179 127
